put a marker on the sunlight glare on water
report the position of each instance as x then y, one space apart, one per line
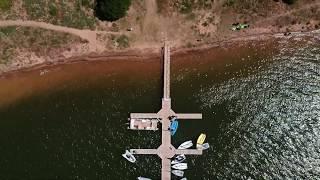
276 132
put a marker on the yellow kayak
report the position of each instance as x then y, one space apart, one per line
201 139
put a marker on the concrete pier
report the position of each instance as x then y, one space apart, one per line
166 151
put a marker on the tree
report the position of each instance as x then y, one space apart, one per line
289 1
111 10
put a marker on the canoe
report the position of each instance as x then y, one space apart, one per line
180 166
186 145
129 156
178 173
173 127
179 159
143 178
201 139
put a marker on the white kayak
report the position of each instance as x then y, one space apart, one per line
143 178
180 166
186 145
203 146
179 159
178 173
129 156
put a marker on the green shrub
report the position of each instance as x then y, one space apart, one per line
35 9
111 10
86 3
123 41
229 3
53 9
5 4
186 6
7 30
289 1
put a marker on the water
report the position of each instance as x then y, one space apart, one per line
260 104
275 131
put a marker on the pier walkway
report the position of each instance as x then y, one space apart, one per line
166 150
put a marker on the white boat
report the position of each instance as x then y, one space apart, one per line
143 178
178 173
180 166
186 145
205 146
183 179
179 159
129 156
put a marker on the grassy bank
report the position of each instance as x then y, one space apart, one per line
16 40
77 13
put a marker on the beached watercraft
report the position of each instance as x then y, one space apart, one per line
143 178
180 166
186 145
179 159
178 173
173 127
129 156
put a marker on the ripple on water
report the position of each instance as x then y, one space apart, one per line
276 133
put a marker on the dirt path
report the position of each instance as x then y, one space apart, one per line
153 25
151 6
89 35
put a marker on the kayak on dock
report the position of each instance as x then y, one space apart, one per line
179 159
174 127
129 156
178 173
180 166
186 145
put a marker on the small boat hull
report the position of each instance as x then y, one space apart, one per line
186 145
180 166
178 173
201 139
143 178
174 127
129 156
203 146
179 159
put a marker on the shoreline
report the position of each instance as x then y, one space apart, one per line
150 54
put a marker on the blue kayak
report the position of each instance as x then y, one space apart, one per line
173 127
